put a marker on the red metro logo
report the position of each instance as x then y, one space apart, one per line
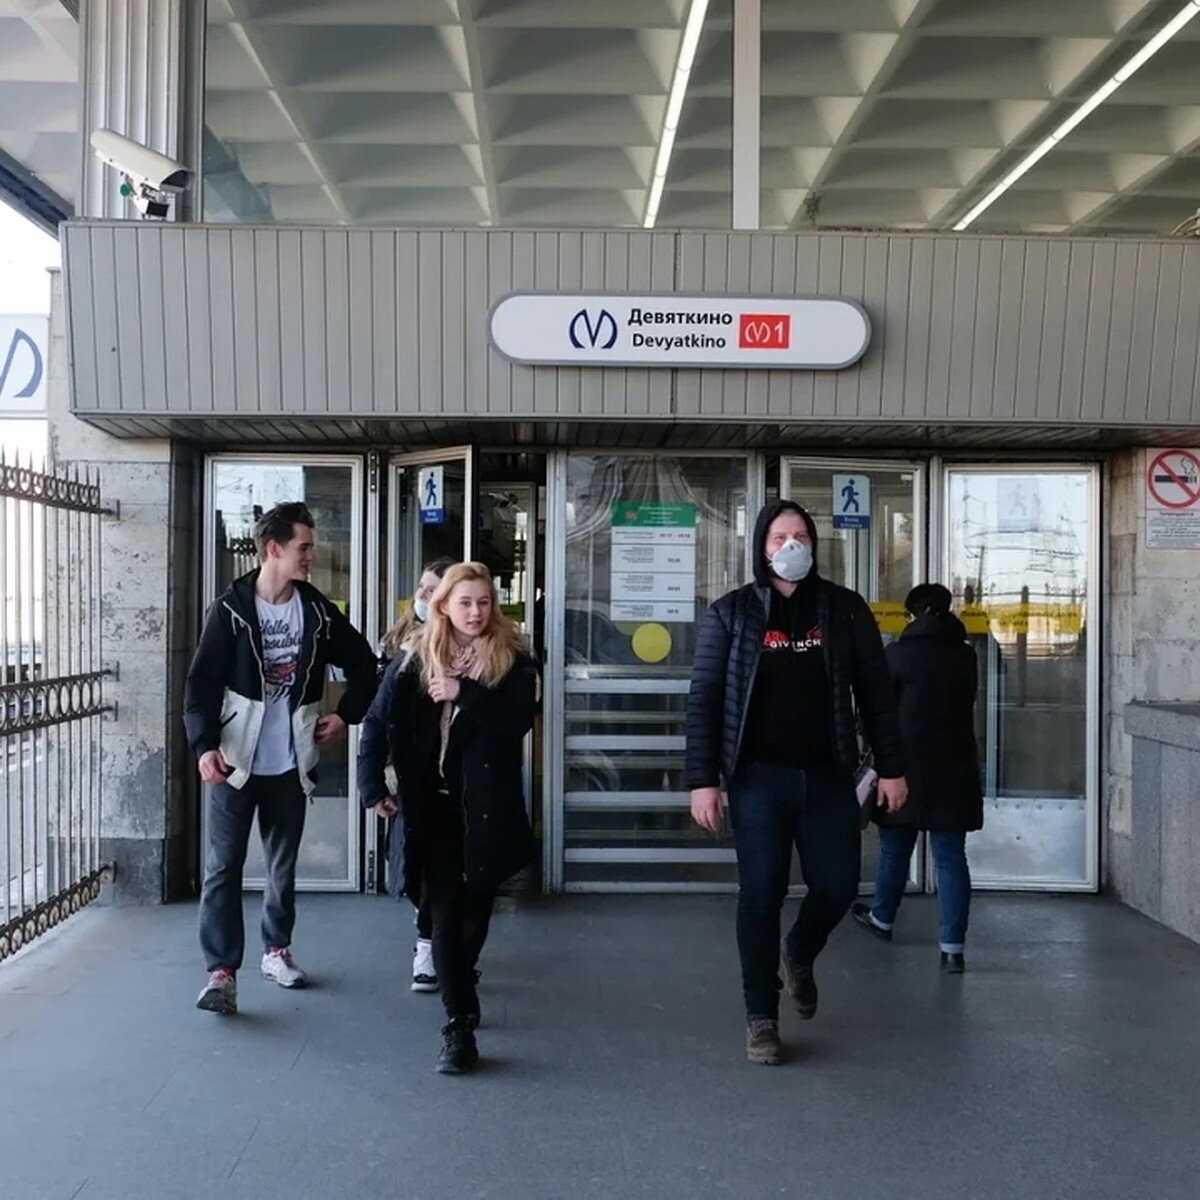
764 331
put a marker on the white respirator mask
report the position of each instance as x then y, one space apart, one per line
421 608
792 561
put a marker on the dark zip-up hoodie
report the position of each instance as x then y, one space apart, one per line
223 703
727 652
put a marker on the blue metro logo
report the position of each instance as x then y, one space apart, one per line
33 361
599 336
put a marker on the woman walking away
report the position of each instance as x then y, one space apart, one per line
398 643
454 718
935 675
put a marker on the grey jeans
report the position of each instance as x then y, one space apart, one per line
281 805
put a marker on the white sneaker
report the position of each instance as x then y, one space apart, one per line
277 966
220 994
424 975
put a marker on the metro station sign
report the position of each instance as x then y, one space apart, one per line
619 330
24 354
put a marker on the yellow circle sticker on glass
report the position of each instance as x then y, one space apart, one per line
652 642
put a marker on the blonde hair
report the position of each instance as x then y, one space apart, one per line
497 646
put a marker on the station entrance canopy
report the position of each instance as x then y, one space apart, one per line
39 108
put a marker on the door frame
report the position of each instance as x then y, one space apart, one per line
940 470
386 471
396 463
554 685
208 579
920 874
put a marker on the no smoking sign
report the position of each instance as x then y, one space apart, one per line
1173 500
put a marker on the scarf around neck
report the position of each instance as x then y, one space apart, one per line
464 664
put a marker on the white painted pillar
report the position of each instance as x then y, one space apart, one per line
747 109
139 63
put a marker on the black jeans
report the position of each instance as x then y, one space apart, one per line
459 918
424 921
771 808
281 806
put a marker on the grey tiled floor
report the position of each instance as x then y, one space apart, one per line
1066 1063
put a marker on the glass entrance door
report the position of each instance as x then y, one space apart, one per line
871 538
1021 556
637 547
431 501
239 489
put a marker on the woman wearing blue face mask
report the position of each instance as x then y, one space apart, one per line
398 644
783 665
404 633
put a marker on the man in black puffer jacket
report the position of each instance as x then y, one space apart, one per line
783 665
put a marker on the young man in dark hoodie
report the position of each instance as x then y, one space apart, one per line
252 708
784 668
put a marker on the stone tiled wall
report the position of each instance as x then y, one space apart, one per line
139 591
1152 651
1165 814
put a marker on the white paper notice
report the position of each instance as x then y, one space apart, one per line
653 562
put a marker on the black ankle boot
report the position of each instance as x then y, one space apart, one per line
953 964
459 1052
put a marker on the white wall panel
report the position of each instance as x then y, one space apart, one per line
177 320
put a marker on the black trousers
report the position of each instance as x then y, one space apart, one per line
459 918
772 808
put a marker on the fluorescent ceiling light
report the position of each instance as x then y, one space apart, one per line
679 85
1102 93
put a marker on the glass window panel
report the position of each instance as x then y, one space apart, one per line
546 113
632 606
416 541
1018 564
242 491
878 562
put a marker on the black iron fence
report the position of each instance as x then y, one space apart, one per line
51 698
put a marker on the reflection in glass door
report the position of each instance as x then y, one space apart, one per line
1021 556
643 545
430 505
239 489
877 549
432 501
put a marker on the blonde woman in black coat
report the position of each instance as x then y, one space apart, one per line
935 674
453 717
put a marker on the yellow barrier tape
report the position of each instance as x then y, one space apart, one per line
890 616
1043 619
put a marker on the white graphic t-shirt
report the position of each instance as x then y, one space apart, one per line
282 628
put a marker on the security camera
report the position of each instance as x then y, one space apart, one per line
149 178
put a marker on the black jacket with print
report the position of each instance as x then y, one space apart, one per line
728 648
223 696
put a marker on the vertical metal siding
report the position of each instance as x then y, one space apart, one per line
179 320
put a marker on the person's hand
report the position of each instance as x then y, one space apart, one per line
386 807
213 767
707 808
328 728
442 689
892 794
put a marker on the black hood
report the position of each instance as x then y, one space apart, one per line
241 593
944 627
768 513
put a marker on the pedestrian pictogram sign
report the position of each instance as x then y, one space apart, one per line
852 502
1018 504
431 482
1173 499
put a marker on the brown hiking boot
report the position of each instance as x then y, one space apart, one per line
800 985
762 1041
